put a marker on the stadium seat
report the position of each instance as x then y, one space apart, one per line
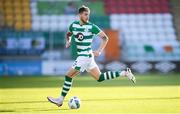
19 25
27 25
168 48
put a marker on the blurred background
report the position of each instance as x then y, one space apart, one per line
144 35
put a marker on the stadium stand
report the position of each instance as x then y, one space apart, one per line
149 25
17 14
175 11
146 27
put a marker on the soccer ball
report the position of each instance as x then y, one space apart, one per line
74 103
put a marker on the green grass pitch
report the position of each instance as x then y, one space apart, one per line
152 94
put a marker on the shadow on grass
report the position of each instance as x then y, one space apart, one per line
120 99
34 109
50 109
7 111
53 109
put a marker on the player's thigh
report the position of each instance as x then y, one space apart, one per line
95 72
72 72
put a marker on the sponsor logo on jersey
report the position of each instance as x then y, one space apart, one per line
80 36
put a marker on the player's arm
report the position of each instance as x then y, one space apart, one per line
68 39
68 36
103 44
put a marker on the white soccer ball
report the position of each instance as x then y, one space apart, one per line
74 103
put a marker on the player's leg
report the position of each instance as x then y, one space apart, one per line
66 87
68 81
96 73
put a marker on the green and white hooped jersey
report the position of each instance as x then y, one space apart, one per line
83 35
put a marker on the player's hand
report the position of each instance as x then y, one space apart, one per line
68 44
97 53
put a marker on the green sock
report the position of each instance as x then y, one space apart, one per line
66 86
108 75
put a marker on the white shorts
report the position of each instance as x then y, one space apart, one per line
84 63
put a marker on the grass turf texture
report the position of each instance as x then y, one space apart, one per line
152 94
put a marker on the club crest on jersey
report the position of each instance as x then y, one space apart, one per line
80 36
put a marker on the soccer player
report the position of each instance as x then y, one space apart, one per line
83 31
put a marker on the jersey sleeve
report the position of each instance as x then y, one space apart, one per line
70 28
95 29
